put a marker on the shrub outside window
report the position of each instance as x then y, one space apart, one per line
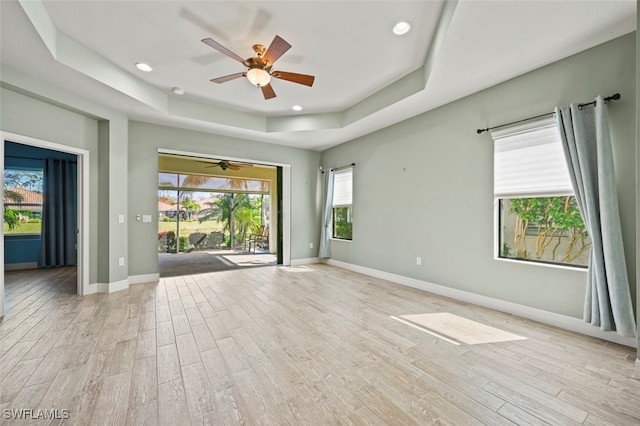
342 216
22 202
537 216
544 229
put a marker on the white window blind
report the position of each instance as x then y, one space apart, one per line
343 188
529 161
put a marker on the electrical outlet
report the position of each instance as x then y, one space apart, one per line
121 261
418 261
310 245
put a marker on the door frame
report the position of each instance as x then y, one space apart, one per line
286 192
83 206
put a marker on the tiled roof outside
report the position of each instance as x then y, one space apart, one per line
28 197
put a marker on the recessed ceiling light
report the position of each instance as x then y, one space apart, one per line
296 108
178 90
144 67
401 27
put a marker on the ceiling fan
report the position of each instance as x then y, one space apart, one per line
226 164
259 71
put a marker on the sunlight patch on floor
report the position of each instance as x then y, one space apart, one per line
457 329
251 259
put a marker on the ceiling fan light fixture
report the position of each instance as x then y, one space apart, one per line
402 27
258 77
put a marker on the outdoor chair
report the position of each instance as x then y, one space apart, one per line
262 239
257 239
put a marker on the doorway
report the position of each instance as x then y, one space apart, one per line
22 161
217 214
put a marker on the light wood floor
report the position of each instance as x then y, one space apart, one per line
305 345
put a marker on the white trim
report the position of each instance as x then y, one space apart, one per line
537 263
101 288
557 320
636 371
143 279
305 261
344 240
286 192
20 266
83 206
286 215
112 287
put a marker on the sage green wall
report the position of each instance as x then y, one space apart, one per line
114 159
638 175
424 187
27 116
144 142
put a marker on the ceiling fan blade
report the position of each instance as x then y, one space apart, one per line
268 92
277 48
220 48
307 80
241 165
228 77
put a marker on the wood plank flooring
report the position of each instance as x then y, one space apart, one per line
303 345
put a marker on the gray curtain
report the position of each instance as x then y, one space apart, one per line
59 214
325 233
587 145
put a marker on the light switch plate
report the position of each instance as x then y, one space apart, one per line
146 218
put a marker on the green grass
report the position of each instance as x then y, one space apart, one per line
187 228
24 228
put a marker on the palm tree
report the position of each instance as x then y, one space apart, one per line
248 218
191 206
224 210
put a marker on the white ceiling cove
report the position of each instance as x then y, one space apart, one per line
366 77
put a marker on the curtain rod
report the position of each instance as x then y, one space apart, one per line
342 167
614 97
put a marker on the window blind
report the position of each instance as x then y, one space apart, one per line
343 188
529 161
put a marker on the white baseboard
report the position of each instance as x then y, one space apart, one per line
305 261
20 266
636 371
121 285
143 279
557 320
112 287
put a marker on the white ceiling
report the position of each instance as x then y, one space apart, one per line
366 77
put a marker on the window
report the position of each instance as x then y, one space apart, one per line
342 204
537 215
22 201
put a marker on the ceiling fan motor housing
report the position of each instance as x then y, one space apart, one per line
259 49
